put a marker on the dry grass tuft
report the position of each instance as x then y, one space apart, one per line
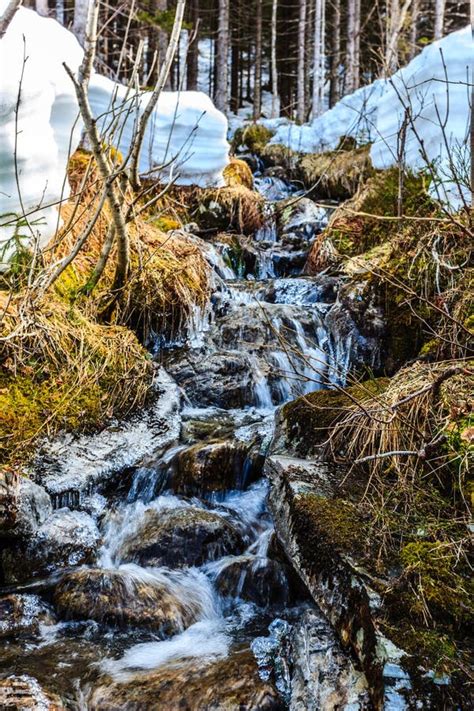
237 172
61 370
336 174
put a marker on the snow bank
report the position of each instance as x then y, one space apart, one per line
375 114
186 135
185 130
32 172
422 88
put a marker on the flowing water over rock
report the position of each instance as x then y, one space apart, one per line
176 595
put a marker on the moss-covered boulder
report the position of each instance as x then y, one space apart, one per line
227 684
277 155
123 599
179 537
303 425
255 137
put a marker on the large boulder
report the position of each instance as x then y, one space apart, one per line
224 685
66 538
184 536
211 467
123 599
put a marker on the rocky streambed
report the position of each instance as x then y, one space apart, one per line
158 563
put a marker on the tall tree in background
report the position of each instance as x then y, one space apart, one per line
79 22
439 18
335 53
221 96
352 74
301 73
192 63
273 52
415 9
395 21
319 58
257 101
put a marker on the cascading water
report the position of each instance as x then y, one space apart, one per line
206 551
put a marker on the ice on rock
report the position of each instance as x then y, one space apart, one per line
186 132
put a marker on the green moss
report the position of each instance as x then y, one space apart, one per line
332 524
439 588
256 137
335 174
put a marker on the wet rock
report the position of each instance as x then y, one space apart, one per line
213 467
24 506
123 598
69 466
323 676
288 262
23 615
184 536
259 580
225 685
298 221
321 539
222 378
21 693
66 538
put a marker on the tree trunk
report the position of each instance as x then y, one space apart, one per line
257 89
192 67
353 47
60 11
222 54
395 24
439 18
273 50
335 53
80 20
301 76
414 28
319 58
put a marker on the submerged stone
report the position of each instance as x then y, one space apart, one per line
23 615
122 599
259 580
225 685
183 536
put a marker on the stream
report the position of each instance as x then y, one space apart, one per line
188 571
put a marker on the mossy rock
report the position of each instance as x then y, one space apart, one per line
118 598
237 172
256 137
303 425
276 154
227 684
336 174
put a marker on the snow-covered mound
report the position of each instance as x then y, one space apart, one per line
186 132
440 115
34 141
186 135
375 113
